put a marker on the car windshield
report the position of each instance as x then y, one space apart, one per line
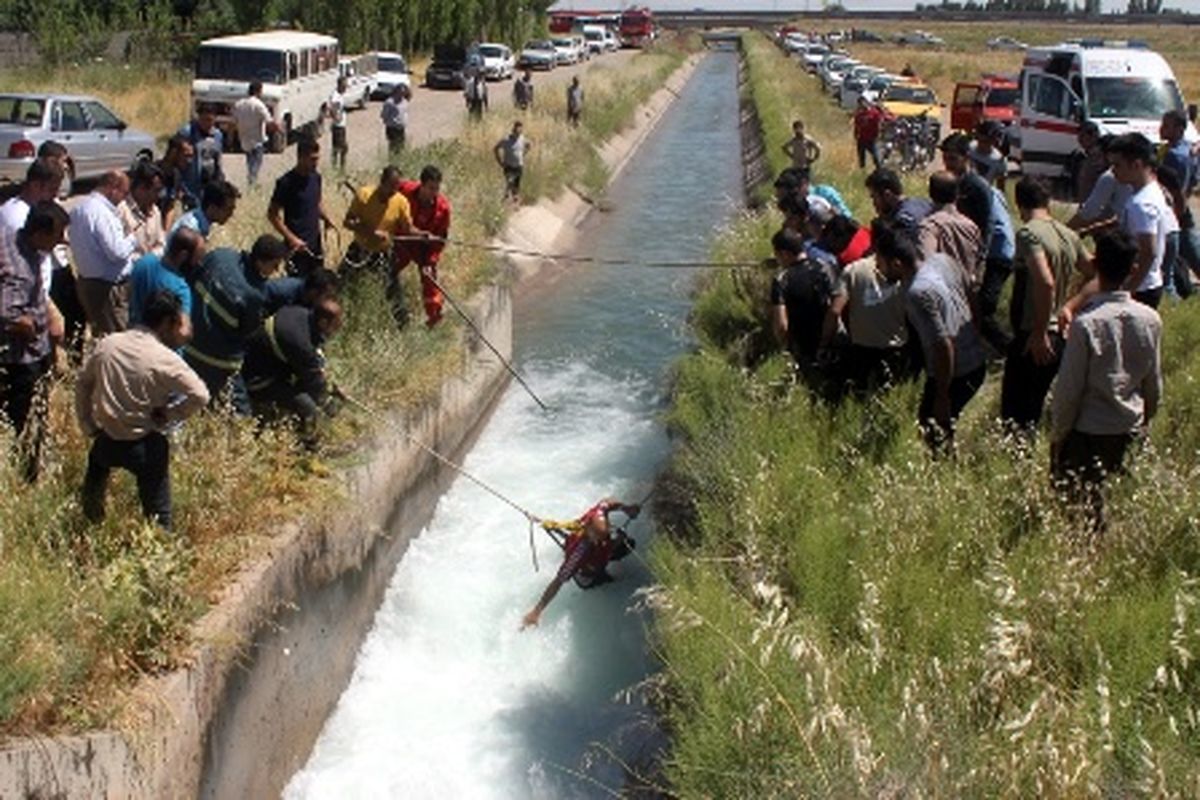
239 64
542 45
492 51
562 43
390 64
879 84
25 111
1002 98
910 94
594 36
1133 98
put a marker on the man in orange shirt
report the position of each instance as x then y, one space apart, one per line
430 219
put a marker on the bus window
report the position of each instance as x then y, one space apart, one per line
293 66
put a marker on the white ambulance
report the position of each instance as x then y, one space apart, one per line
1123 87
298 71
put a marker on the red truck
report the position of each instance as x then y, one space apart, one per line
992 97
637 27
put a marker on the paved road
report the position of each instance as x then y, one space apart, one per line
434 114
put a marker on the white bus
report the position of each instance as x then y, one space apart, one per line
298 72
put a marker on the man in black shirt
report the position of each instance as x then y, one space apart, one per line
297 212
284 368
800 296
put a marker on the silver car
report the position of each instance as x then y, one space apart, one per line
97 140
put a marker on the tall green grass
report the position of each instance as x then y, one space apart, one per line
85 610
841 616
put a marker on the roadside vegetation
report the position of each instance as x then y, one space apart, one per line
86 610
840 616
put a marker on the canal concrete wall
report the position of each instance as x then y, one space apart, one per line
277 650
551 226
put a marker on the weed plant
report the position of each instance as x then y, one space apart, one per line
839 615
84 610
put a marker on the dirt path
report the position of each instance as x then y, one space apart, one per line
433 115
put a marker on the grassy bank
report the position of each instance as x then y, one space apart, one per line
87 609
841 616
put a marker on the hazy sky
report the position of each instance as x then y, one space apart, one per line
801 5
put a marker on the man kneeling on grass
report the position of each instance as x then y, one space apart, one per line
1109 382
133 388
285 369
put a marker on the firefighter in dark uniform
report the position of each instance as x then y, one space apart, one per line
285 369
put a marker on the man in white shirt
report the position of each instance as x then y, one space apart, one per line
139 211
335 110
1147 217
254 124
42 182
104 255
395 118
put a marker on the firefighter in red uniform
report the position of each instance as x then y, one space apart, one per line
588 547
431 218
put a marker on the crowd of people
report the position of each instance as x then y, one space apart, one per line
126 286
918 290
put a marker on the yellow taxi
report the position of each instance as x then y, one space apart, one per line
909 99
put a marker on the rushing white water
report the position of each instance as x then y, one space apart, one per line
449 699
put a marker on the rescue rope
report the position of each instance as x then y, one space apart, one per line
428 275
577 259
529 515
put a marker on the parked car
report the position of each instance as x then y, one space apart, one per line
1006 43
814 55
612 43
909 98
854 84
97 140
451 66
538 54
833 70
360 78
992 97
497 59
920 39
861 35
877 86
594 37
391 70
568 51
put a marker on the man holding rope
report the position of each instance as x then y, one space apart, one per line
430 212
297 211
376 214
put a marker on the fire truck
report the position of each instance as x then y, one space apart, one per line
637 27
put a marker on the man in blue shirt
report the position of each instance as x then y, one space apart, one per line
1176 156
216 208
207 145
152 273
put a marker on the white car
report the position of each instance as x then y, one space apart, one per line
814 55
854 84
498 61
538 54
595 39
391 71
877 86
920 39
1006 43
567 49
360 83
611 43
833 70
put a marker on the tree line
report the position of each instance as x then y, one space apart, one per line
77 30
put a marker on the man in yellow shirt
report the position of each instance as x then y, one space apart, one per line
376 214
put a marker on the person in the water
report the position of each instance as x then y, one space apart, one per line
588 546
